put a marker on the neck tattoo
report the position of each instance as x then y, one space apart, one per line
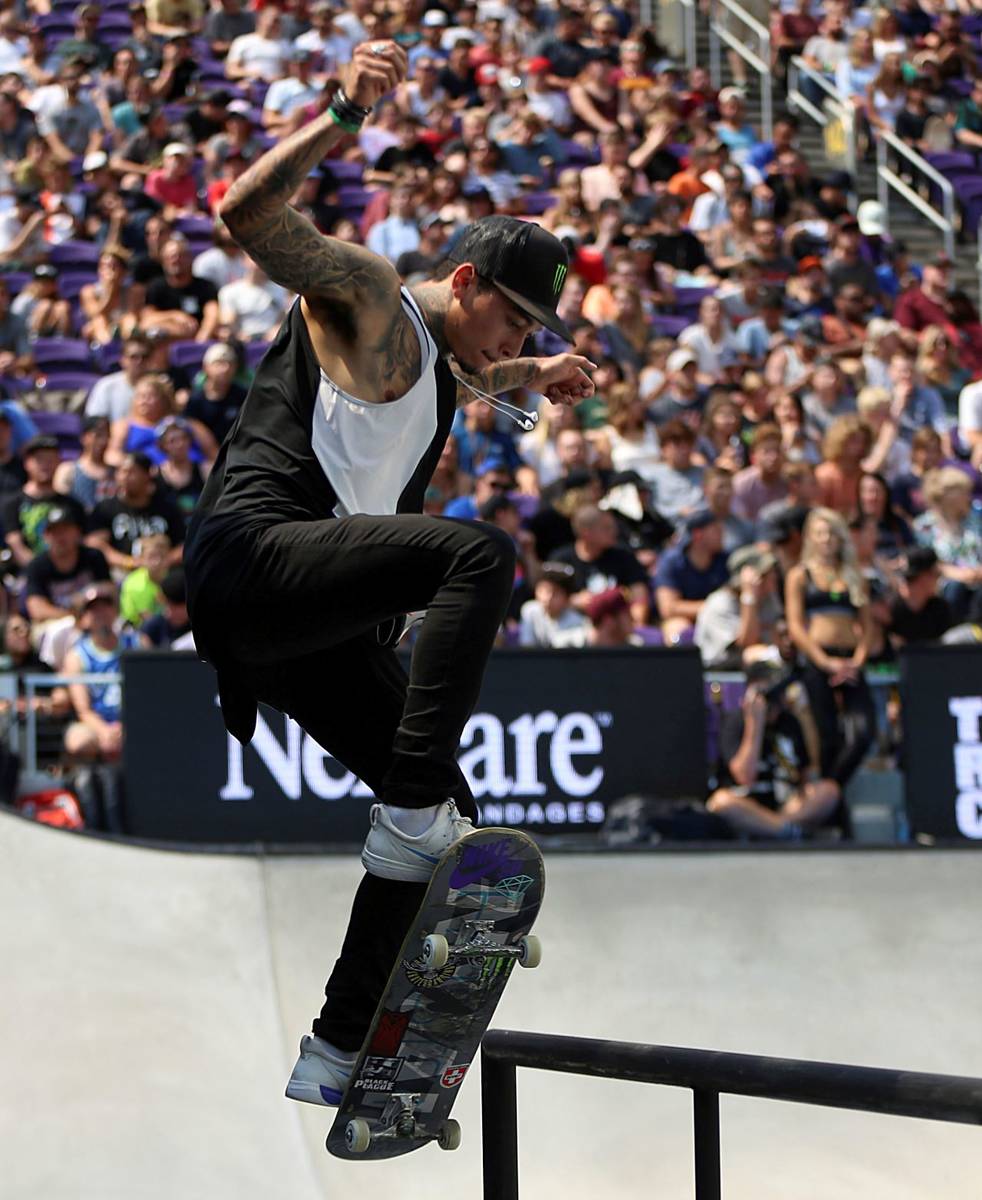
433 300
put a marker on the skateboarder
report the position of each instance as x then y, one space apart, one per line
307 547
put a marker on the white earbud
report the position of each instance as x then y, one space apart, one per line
526 420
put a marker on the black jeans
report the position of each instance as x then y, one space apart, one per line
845 716
294 610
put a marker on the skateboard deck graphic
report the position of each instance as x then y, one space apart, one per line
471 929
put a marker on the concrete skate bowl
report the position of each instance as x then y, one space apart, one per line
152 1001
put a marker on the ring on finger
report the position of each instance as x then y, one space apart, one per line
378 49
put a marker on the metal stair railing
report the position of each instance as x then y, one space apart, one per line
832 106
887 180
724 16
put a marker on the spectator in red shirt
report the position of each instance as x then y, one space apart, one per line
926 305
233 166
173 184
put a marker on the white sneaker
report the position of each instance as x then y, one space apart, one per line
321 1073
393 854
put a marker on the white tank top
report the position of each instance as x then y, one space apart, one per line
369 452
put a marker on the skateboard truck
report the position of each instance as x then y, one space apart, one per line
358 1133
476 943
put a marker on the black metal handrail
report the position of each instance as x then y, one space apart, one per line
708 1074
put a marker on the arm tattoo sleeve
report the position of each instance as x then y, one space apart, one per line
284 243
499 377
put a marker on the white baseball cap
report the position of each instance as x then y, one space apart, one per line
680 358
95 161
435 16
872 218
174 148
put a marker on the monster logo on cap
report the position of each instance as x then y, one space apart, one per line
524 262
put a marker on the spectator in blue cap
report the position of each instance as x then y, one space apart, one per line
493 477
689 572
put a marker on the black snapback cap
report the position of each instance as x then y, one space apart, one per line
523 261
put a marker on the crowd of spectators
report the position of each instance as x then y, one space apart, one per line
783 453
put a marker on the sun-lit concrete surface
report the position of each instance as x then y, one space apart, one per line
152 1002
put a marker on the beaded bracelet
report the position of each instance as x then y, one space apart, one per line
346 113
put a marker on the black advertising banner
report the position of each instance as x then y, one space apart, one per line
941 693
555 737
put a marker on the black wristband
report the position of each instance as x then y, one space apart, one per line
347 108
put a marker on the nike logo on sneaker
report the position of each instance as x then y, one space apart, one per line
330 1095
433 858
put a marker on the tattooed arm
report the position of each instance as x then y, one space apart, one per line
563 378
324 270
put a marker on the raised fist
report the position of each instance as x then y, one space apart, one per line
376 68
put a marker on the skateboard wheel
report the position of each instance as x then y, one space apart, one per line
531 951
357 1136
449 1137
436 951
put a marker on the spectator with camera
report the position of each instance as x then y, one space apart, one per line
738 623
771 781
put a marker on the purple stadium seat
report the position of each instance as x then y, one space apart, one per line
69 381
969 194
666 326
17 280
75 254
953 162
254 352
346 172
66 427
536 203
212 73
57 25
690 298
115 21
577 155
188 353
62 353
70 283
108 356
195 226
651 635
199 243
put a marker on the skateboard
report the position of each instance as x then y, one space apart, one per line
471 929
